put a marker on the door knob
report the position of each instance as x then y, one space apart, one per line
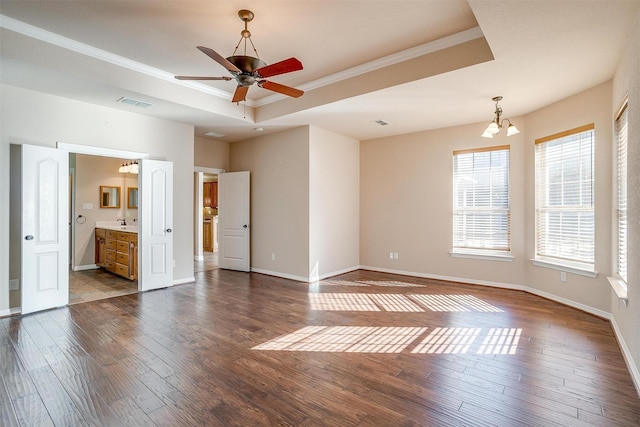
28 237
169 230
245 226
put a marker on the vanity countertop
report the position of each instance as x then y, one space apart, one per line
115 225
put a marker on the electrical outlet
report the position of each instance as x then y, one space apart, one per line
390 255
273 256
395 255
14 284
563 276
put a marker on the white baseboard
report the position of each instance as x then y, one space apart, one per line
628 357
10 311
570 303
84 267
336 273
446 278
283 275
305 279
183 281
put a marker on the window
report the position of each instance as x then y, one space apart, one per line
565 227
621 205
481 214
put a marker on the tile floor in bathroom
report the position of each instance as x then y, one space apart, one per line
92 285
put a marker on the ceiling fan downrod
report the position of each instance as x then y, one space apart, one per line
246 16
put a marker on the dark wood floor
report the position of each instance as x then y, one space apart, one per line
366 349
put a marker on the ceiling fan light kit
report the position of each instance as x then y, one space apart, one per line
247 70
496 124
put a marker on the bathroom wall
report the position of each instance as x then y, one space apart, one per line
90 173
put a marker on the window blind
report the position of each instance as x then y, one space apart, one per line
481 211
565 227
621 177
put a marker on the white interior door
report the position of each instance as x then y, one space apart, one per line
155 232
45 218
233 221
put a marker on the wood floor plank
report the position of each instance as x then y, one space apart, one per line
30 411
8 414
129 414
55 398
93 409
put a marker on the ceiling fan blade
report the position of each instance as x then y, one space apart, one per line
277 87
219 59
203 78
240 93
286 66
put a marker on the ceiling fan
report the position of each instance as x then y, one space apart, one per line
247 70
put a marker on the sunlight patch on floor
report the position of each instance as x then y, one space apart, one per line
355 339
448 341
415 303
342 302
501 341
370 339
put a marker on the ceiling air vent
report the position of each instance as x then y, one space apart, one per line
213 134
381 122
135 102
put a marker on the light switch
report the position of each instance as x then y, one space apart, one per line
87 206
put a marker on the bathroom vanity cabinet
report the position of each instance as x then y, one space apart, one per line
117 252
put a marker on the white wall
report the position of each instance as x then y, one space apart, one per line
627 81
211 153
34 118
279 166
334 201
304 202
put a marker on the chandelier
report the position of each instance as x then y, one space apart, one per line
496 124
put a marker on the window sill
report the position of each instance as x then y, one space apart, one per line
503 258
620 288
564 267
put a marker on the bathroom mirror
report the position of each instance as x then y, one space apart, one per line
109 197
132 197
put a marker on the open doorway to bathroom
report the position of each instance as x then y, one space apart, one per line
99 194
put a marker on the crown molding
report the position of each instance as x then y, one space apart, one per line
102 55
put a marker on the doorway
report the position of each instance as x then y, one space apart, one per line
206 218
88 281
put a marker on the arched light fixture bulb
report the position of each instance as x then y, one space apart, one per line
496 124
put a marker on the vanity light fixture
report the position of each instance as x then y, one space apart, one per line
496 124
132 167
